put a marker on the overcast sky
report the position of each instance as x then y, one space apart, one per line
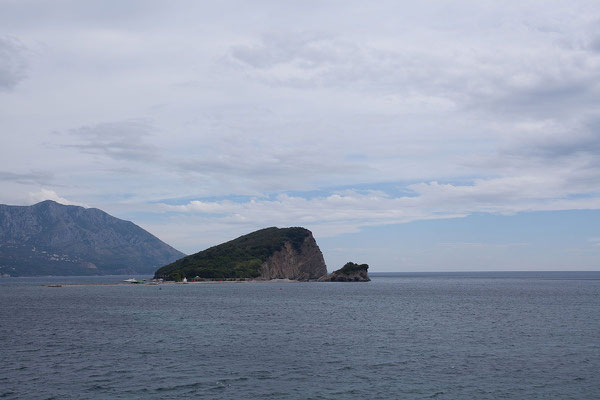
432 135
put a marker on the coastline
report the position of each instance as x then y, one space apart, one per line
149 283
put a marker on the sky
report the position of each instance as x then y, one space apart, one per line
412 136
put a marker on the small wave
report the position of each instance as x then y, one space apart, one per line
95 388
436 394
187 386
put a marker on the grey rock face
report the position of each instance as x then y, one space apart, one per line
49 238
288 263
349 273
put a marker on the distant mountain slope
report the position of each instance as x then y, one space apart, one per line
49 238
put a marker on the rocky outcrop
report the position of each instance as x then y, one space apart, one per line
303 264
350 272
49 238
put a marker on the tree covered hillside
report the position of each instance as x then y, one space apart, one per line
238 258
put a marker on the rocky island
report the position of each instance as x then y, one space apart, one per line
350 272
270 253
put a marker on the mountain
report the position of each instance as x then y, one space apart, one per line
270 253
49 238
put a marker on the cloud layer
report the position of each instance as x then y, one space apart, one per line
212 119
13 62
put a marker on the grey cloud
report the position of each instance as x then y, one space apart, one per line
36 14
575 89
282 164
310 59
277 170
557 78
568 140
13 63
308 49
587 143
123 140
314 60
34 177
513 79
566 153
593 42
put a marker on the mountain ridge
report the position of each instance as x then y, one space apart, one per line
49 238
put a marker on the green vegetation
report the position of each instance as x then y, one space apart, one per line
351 268
238 258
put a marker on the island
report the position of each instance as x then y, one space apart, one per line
270 253
350 272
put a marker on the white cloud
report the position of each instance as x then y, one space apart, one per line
47 194
352 210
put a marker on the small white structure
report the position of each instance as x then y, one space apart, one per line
184 280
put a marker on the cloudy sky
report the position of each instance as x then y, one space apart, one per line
414 136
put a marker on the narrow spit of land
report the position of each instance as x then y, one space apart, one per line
172 283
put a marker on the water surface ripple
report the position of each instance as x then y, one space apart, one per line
410 336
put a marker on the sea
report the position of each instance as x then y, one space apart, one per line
494 335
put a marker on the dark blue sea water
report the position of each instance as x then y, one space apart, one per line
406 336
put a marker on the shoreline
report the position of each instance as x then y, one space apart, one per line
211 282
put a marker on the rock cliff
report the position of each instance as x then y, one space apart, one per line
350 272
270 253
303 264
49 238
